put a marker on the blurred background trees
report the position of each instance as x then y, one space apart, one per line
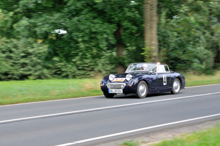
189 34
75 39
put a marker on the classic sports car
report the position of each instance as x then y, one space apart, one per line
143 79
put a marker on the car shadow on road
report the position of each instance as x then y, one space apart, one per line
132 96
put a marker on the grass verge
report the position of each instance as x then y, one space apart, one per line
129 143
12 92
196 80
209 137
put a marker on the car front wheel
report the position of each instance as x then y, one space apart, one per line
142 89
176 86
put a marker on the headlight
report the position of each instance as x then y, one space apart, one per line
128 77
111 77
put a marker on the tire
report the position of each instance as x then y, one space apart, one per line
142 89
176 86
107 95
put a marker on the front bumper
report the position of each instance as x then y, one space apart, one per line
124 86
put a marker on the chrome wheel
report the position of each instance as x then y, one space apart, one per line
142 89
176 86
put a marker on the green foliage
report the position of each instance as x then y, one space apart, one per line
188 33
25 59
188 38
21 59
81 66
203 138
89 46
130 143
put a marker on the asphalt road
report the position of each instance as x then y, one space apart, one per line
93 120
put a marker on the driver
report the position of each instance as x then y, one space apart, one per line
144 67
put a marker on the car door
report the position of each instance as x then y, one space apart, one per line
163 78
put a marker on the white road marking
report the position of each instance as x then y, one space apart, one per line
137 130
202 86
38 102
103 108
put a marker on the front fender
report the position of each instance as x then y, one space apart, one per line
149 79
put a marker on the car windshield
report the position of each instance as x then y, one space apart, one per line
141 67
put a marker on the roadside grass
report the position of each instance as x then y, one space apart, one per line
12 92
129 143
210 137
196 80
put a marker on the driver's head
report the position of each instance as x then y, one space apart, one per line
144 66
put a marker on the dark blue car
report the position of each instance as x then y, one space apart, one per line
143 79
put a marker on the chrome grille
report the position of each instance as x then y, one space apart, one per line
116 85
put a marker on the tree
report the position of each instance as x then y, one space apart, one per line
95 29
188 34
150 29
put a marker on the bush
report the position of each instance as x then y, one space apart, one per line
186 40
26 59
22 59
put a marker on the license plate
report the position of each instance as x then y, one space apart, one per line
115 91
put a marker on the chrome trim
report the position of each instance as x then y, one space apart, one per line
116 84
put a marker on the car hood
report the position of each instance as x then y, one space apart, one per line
134 74
123 75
